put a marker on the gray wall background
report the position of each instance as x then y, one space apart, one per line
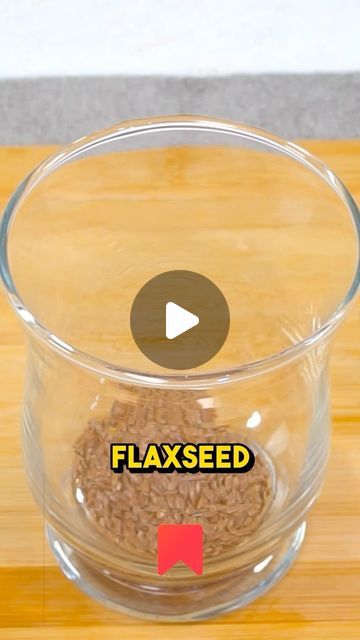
71 67
60 109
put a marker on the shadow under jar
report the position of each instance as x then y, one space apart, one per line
278 233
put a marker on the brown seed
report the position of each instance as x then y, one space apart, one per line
128 508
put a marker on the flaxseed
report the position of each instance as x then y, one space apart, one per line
127 508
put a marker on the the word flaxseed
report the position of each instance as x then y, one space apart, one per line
128 507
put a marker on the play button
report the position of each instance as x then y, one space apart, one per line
179 319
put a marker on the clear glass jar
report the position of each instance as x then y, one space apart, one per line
278 233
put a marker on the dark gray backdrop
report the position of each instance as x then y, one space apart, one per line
48 110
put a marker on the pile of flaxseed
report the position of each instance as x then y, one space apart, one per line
128 507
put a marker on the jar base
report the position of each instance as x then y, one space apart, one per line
146 603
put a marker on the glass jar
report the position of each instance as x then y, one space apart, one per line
278 233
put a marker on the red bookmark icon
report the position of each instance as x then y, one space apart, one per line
180 542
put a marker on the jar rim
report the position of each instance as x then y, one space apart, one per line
174 123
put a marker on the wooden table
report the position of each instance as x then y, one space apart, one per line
319 598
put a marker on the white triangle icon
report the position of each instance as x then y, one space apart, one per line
178 320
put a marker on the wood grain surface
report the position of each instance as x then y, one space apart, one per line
320 596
